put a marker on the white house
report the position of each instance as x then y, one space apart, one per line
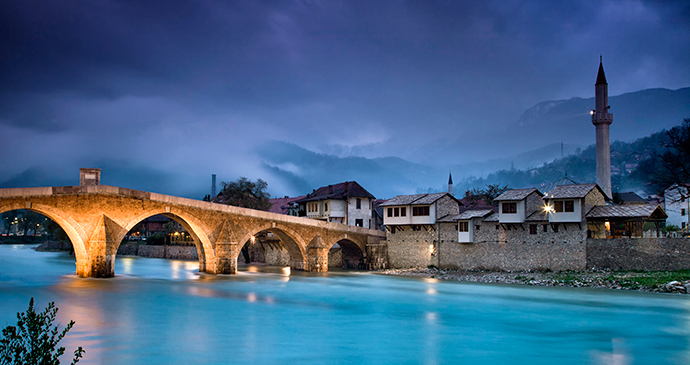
516 204
418 209
347 203
676 206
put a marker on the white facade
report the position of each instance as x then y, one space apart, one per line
405 215
517 217
359 214
676 207
564 215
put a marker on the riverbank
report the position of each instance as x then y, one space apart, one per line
653 281
132 249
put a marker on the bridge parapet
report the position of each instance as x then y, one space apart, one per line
97 218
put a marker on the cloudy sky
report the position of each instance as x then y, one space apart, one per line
161 94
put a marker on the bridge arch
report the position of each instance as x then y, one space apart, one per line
196 229
294 243
74 230
353 250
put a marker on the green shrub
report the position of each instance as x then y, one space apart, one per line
34 339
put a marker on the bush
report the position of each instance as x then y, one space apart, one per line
34 339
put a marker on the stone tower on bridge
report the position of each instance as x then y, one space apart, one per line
601 118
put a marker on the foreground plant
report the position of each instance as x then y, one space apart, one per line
34 339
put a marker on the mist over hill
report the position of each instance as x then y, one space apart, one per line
554 138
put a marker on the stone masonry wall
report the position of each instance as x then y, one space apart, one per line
409 248
512 247
169 252
639 254
445 206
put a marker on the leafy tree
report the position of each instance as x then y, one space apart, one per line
489 194
34 339
245 193
671 165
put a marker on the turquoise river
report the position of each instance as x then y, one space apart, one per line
164 312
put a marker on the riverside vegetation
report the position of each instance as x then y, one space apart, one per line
648 281
34 339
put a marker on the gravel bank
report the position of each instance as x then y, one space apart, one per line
658 281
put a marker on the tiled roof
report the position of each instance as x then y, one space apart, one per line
416 199
538 216
632 197
469 214
280 205
627 211
492 218
402 200
516 194
571 191
340 191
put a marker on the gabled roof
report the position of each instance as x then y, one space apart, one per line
632 198
280 205
538 216
647 211
340 191
517 194
469 214
572 191
416 199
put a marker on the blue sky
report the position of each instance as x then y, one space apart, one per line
167 93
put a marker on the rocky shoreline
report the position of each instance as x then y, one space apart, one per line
657 281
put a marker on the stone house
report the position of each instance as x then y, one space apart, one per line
530 231
413 225
347 203
676 205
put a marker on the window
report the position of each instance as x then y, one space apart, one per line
420 211
359 203
463 227
682 212
476 227
509 208
396 212
390 212
532 229
567 206
546 228
682 225
325 206
403 212
359 223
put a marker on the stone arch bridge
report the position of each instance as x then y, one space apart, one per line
97 217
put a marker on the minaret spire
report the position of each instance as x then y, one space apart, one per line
450 183
602 119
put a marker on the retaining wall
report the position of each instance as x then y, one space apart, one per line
649 254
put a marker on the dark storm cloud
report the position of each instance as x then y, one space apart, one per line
194 82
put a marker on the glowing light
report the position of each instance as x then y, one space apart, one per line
431 248
591 112
252 239
548 208
286 271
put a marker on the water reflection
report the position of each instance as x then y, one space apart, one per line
160 311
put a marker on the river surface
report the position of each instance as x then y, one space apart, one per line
159 311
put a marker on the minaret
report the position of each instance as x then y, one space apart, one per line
601 118
450 183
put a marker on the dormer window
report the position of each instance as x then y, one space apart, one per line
509 208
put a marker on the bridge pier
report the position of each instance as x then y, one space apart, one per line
226 257
101 253
317 251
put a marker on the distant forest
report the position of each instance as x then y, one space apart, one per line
630 165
